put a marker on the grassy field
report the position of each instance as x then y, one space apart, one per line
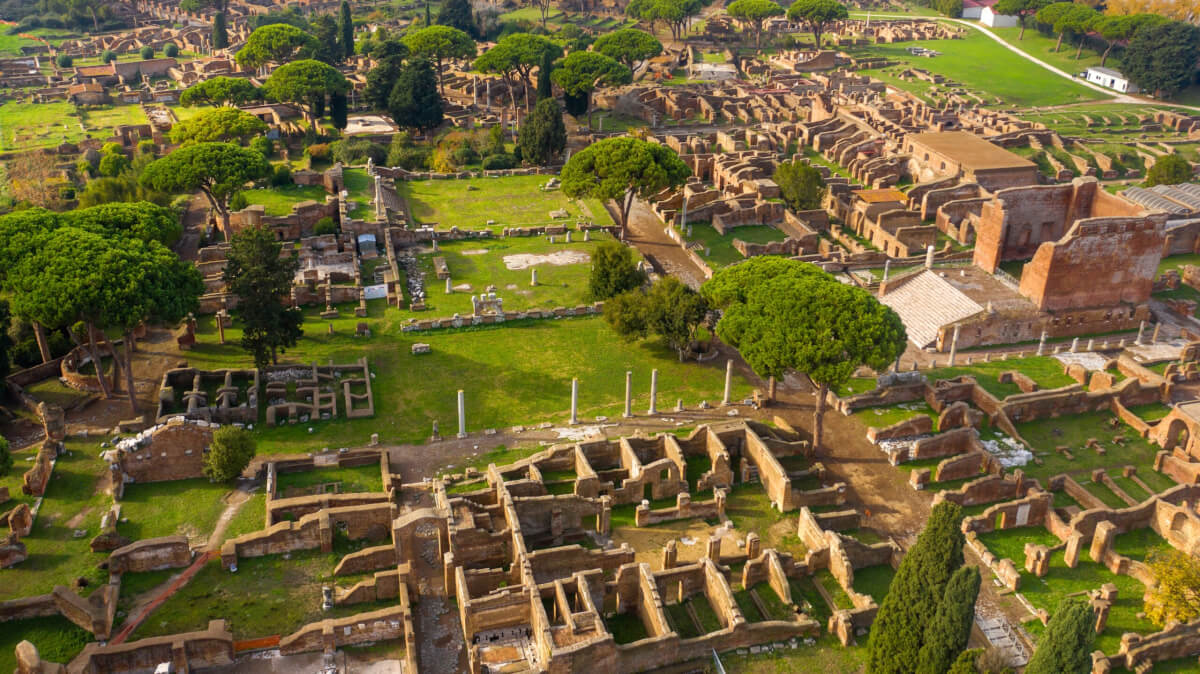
518 373
279 200
361 189
718 250
286 594
1046 371
1074 432
509 201
25 125
481 263
357 479
73 501
882 417
989 69
185 507
57 639
1041 47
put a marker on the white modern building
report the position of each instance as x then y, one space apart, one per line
989 17
1107 77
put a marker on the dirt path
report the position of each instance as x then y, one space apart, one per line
233 504
162 594
881 492
647 234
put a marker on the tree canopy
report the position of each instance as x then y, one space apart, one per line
785 315
414 102
582 72
230 452
260 278
800 184
622 169
817 14
219 124
669 310
1022 9
439 43
614 271
458 14
1176 596
947 634
543 136
306 82
1161 57
1066 646
1169 169
381 79
629 46
754 13
519 53
917 589
674 14
215 169
219 91
275 43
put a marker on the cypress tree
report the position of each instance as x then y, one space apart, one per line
946 636
220 35
1066 646
414 102
428 20
544 90
965 664
915 593
543 135
458 14
337 110
346 27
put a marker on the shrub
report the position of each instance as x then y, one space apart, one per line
263 145
83 168
170 50
92 156
145 147
147 53
325 225
355 151
112 164
464 155
112 148
107 56
318 151
498 162
238 201
409 158
229 454
282 176
63 61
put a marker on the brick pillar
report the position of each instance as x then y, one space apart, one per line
1102 540
714 549
753 545
604 519
669 555
1071 552
719 494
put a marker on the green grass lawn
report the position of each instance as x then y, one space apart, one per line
268 595
511 201
881 417
841 600
25 126
1074 432
73 501
517 373
357 479
14 479
1041 47
186 507
57 639
750 509
361 188
279 200
874 581
1137 543
1047 592
1177 261
1046 371
10 45
479 263
626 628
1010 543
54 392
718 250
984 66
1152 412
250 517
108 117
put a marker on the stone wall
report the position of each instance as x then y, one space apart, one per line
173 451
187 651
382 625
151 554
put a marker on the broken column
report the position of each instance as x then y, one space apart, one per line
1037 559
1154 337
753 545
449 288
628 394
929 257
1075 345
954 345
713 550
533 276
887 267
1102 540
1141 331
728 382
574 401
669 555
462 414
1042 344
653 392
1071 551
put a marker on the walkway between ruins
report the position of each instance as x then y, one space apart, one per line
647 234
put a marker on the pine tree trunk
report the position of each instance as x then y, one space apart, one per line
1079 48
1104 56
1021 35
116 358
91 349
43 346
819 416
1059 43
